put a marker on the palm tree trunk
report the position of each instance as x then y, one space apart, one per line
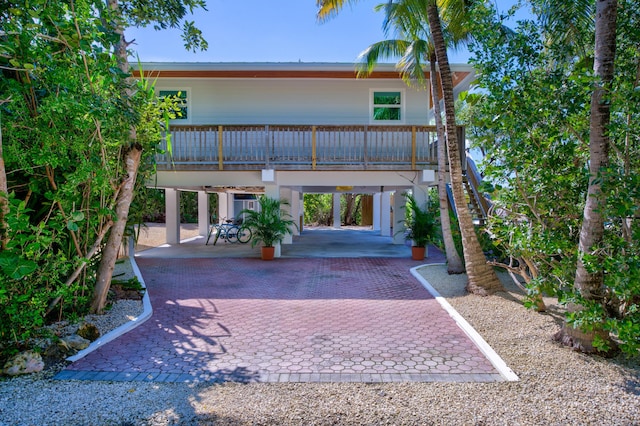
590 284
482 278
454 263
131 159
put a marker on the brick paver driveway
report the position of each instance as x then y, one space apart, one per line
300 320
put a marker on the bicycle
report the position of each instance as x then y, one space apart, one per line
230 232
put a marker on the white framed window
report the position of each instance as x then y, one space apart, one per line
386 106
182 116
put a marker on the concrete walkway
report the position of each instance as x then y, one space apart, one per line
311 319
312 242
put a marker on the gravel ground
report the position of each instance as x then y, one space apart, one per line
556 386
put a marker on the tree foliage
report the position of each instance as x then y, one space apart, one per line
65 127
531 119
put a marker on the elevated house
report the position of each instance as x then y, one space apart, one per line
285 129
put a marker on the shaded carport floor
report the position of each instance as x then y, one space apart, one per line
312 242
291 320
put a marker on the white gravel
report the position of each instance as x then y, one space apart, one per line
556 387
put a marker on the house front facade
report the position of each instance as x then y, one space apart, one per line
286 129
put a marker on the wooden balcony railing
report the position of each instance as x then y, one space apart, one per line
300 147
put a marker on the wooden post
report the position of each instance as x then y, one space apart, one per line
413 147
314 156
267 147
365 148
220 159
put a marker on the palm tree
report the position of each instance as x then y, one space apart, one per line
589 281
413 48
482 278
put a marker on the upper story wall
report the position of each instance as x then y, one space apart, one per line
287 93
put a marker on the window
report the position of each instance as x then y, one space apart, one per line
386 106
182 102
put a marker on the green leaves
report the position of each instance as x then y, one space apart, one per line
270 223
531 119
72 223
15 267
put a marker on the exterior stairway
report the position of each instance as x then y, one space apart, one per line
477 202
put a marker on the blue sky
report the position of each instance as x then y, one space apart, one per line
271 31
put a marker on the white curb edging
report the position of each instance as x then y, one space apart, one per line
484 347
124 328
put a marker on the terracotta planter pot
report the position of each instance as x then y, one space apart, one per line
418 253
268 253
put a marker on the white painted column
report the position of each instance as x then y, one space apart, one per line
385 214
172 215
273 191
419 193
296 210
336 210
203 213
301 221
223 209
377 197
231 208
399 202
287 194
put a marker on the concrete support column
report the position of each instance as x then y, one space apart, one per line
301 212
399 202
223 206
336 211
419 193
273 191
203 213
231 208
385 214
296 211
287 194
172 215
377 197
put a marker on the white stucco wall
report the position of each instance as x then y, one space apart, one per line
291 101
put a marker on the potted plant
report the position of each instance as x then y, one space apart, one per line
421 228
269 224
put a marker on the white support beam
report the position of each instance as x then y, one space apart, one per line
296 211
172 215
385 214
223 208
287 195
377 197
420 194
301 212
336 210
399 202
203 213
273 191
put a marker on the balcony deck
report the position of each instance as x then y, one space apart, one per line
299 147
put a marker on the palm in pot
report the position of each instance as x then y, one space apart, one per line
269 224
421 227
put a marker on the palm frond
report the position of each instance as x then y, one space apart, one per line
327 9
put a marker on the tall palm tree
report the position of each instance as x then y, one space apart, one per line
589 282
413 49
482 278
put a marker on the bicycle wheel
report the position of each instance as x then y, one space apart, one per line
232 234
244 234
